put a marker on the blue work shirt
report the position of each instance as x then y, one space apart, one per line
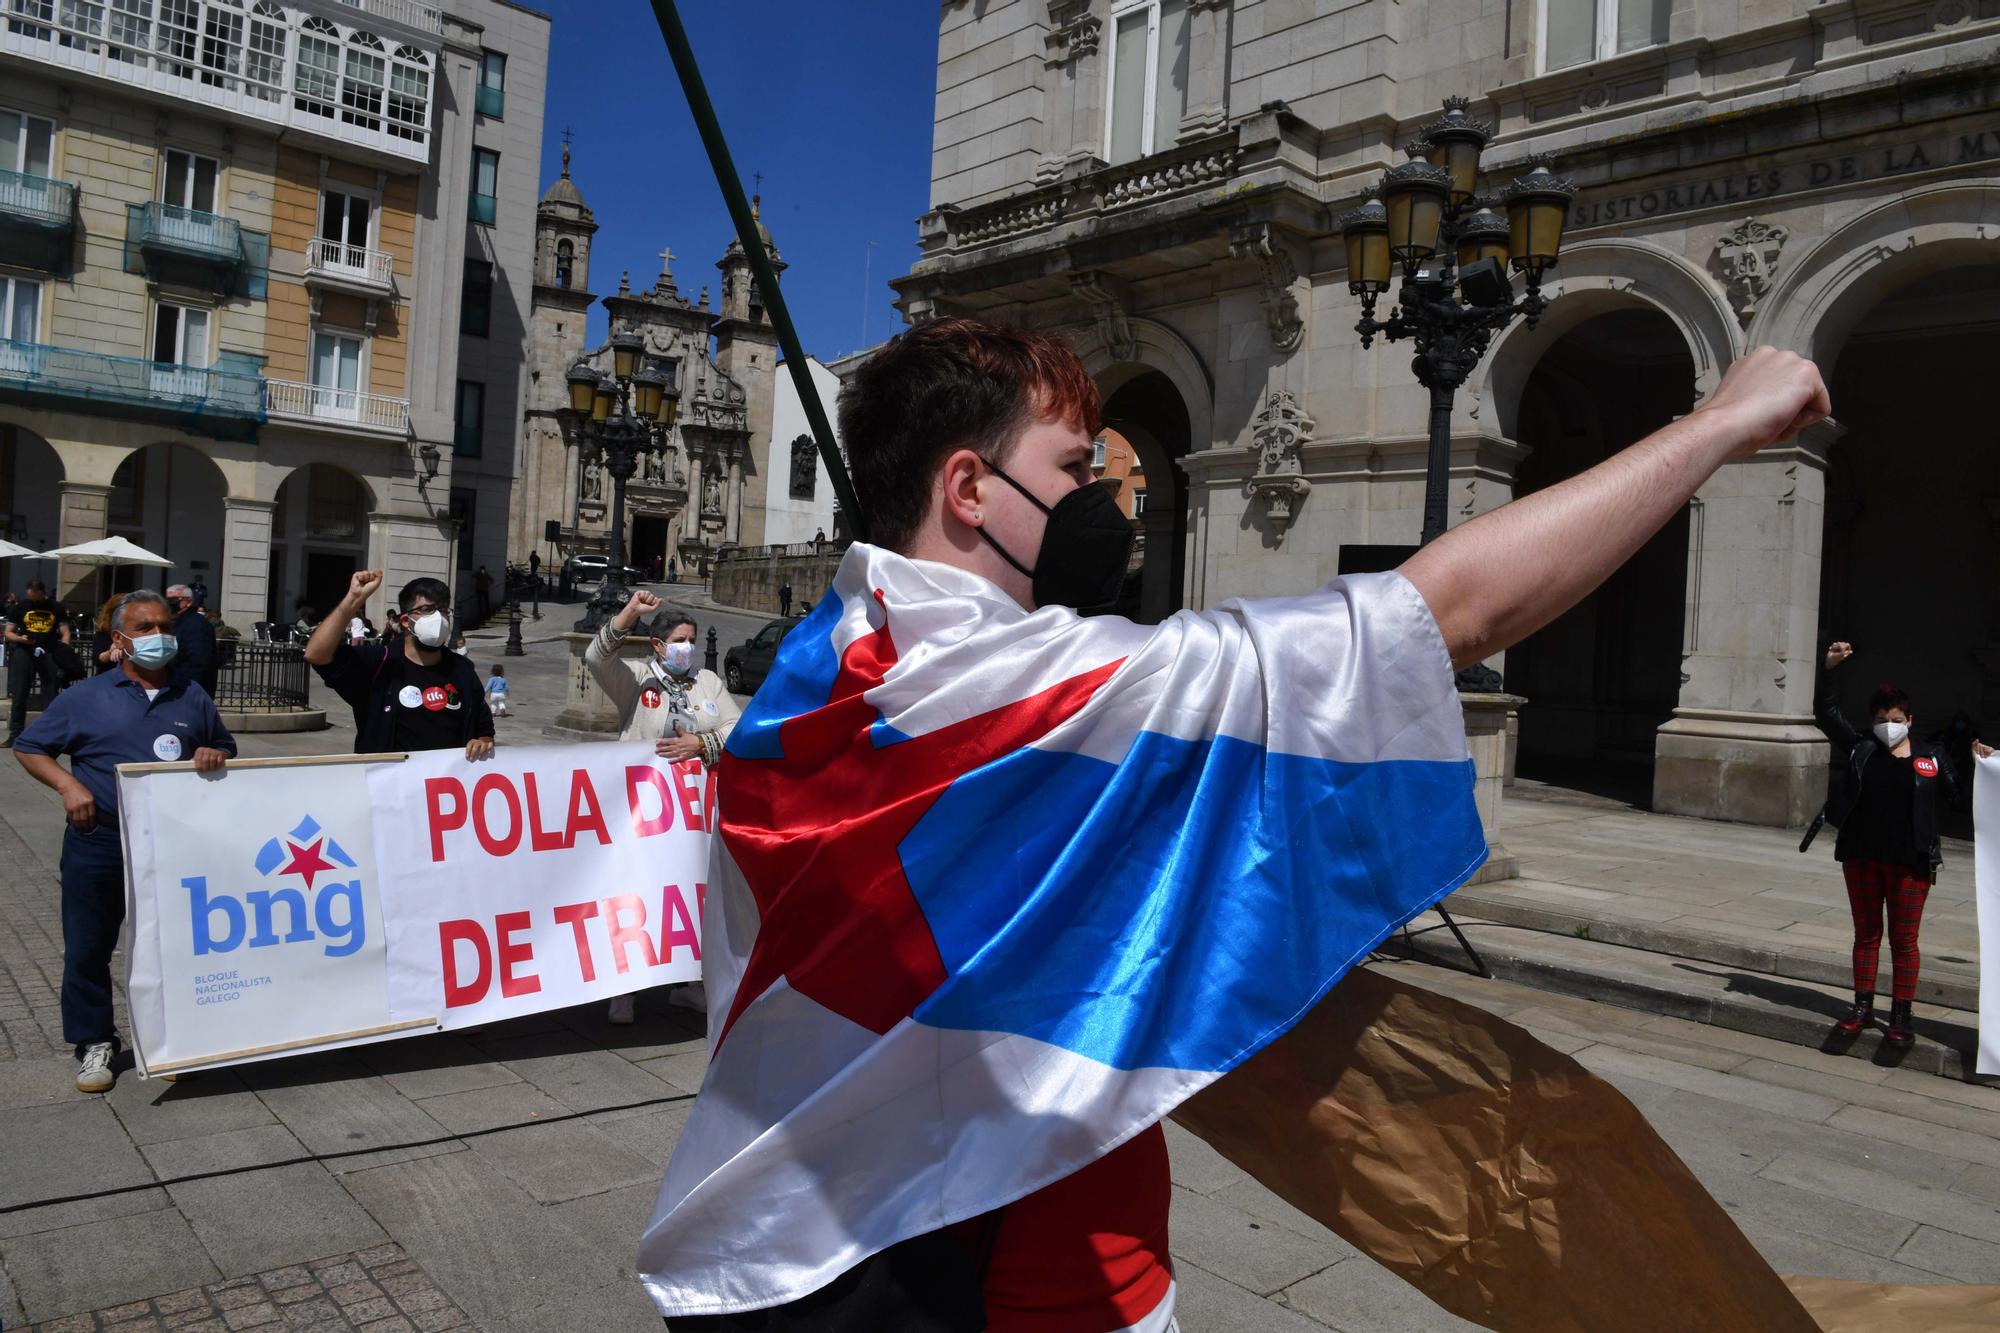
106 720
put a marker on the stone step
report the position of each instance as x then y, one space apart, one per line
1941 981
1703 991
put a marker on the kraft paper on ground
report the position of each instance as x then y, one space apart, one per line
1494 1174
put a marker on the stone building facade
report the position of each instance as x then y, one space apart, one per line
705 489
1824 177
242 243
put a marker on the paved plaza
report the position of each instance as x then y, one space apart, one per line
498 1178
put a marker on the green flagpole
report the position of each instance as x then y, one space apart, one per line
760 263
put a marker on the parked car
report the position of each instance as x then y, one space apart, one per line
745 666
588 570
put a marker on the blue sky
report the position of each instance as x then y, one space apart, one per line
832 102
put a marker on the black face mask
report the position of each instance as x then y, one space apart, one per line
1085 547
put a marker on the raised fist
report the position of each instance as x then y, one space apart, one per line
643 603
1838 652
1767 395
363 585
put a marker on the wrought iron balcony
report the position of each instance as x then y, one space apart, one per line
185 246
342 409
225 401
37 221
350 267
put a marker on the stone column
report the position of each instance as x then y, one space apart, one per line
1208 48
245 594
85 508
1075 66
732 501
1742 745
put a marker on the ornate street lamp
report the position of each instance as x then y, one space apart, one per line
624 416
1454 250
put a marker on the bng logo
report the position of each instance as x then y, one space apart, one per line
308 857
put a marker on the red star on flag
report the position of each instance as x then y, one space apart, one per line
817 835
307 861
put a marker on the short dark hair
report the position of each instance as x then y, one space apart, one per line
1888 695
36 585
667 622
497 671
946 385
426 587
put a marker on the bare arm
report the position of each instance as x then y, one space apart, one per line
331 632
79 806
1497 579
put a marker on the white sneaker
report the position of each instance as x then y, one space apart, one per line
93 1071
621 1010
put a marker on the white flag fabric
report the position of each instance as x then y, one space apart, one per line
1986 898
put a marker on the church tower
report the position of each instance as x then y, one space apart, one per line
547 486
746 349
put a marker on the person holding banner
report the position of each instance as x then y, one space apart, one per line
137 714
685 711
997 886
411 692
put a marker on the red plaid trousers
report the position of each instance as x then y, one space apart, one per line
1872 885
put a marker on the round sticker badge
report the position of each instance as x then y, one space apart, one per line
167 747
650 698
410 697
708 706
434 699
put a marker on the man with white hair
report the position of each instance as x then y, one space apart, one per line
196 660
137 713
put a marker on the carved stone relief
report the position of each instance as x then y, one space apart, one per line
1276 435
1746 257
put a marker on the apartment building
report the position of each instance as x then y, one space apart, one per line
1166 179
264 273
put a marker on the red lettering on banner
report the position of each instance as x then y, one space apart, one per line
450 935
708 799
674 908
584 812
539 838
574 915
701 903
637 778
690 801
513 983
624 936
485 787
442 821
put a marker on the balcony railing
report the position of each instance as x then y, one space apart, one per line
484 208
406 12
190 232
318 403
349 265
37 221
214 400
170 242
490 102
38 200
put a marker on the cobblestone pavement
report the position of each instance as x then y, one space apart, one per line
374 1291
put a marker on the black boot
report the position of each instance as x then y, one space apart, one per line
1861 1015
1899 1034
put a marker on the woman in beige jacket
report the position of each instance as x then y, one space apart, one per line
683 710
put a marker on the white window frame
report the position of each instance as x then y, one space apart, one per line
333 407
1138 502
1097 450
373 198
1149 114
10 286
28 120
180 334
194 159
1606 33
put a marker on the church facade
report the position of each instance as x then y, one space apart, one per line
1164 179
703 490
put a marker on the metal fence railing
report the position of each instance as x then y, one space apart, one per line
260 677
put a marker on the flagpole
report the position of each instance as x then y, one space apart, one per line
760 262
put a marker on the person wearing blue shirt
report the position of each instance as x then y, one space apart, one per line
136 714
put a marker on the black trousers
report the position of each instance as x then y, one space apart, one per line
927 1284
23 670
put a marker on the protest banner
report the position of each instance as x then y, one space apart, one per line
292 905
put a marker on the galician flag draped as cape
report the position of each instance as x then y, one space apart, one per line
996 890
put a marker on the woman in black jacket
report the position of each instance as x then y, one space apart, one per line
1886 811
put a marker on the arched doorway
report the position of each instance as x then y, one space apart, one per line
31 474
1145 414
168 499
319 537
1913 506
1601 679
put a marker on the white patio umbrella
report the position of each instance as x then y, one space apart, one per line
8 550
104 551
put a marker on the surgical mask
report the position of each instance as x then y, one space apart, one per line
1892 734
153 651
431 629
677 658
1085 546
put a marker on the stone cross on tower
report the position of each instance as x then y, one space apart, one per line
667 257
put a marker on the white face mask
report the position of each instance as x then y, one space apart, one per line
1892 734
432 629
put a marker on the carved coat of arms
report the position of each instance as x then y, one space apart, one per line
1747 257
